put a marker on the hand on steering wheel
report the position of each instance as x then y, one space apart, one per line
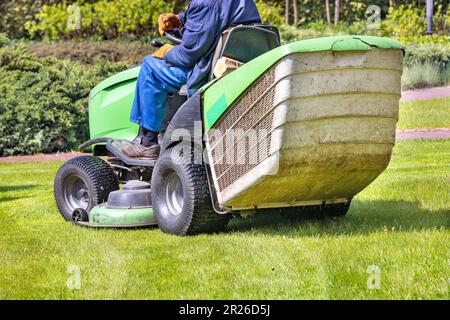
168 22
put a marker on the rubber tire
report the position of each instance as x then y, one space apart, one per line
97 174
338 210
197 215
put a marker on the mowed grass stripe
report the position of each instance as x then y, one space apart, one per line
424 114
399 224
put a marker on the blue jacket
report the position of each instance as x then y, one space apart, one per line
204 21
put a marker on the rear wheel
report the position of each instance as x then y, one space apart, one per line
83 183
180 196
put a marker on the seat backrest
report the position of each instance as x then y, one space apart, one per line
245 43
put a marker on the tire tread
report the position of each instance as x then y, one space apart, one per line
199 217
101 178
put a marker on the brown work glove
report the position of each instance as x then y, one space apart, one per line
168 22
161 52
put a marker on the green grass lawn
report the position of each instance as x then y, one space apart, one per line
425 114
399 224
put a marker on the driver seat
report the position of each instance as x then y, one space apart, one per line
244 43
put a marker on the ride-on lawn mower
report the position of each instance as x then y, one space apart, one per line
312 123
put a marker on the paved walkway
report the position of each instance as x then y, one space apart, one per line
426 94
442 133
41 158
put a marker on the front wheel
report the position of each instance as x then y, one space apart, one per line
180 196
83 183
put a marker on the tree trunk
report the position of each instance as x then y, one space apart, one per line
327 8
294 5
337 9
286 13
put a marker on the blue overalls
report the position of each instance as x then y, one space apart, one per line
190 62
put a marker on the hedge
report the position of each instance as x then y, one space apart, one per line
43 102
15 13
101 18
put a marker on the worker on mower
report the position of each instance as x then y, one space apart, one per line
189 63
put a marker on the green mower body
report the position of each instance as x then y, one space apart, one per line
110 107
321 114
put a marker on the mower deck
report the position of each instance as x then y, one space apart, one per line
103 217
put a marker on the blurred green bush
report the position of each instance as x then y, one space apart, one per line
107 19
101 18
404 21
407 23
320 29
15 13
270 13
43 102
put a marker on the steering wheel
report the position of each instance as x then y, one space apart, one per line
174 36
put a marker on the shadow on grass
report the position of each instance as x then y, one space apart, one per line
16 188
4 189
364 217
7 199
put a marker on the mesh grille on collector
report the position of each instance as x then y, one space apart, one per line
244 132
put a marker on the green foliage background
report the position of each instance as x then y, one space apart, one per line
113 18
43 102
48 69
102 18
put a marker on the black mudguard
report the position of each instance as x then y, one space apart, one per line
186 125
